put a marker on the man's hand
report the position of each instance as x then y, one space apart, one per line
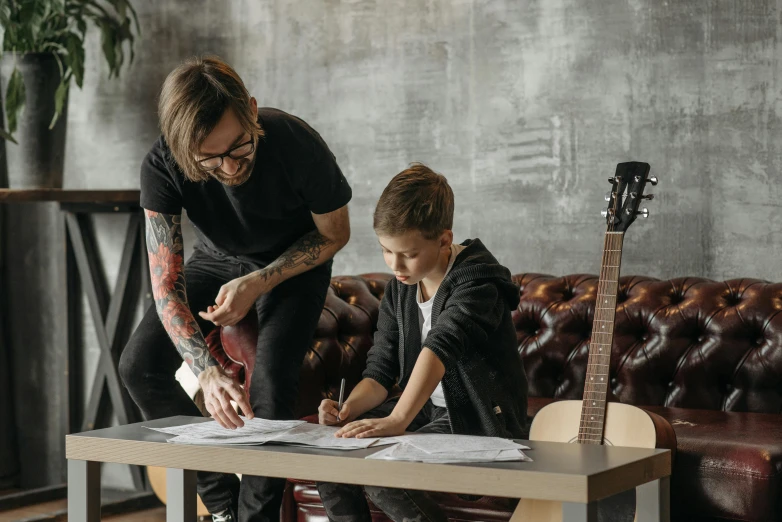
219 390
234 300
329 415
386 427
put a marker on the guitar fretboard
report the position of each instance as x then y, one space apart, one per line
593 408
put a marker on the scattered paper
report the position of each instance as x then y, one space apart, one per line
447 443
262 431
240 440
411 453
212 429
419 447
319 436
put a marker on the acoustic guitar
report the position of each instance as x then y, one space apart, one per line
593 420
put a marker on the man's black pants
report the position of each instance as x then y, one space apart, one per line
287 318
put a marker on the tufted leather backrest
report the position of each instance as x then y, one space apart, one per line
687 342
342 340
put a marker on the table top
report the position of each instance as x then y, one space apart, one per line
562 472
69 196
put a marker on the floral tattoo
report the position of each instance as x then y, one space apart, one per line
164 244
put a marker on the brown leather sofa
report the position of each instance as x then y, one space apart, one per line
705 355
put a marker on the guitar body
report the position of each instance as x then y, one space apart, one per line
625 425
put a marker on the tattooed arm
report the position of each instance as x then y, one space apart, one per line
164 244
315 248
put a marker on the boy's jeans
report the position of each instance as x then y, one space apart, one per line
347 503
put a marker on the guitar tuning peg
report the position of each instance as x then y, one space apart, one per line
644 213
616 179
608 196
648 196
604 213
653 180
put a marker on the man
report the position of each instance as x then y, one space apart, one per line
268 202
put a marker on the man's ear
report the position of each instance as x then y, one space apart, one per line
254 105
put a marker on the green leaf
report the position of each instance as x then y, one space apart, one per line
109 42
54 47
27 12
76 57
121 6
6 136
14 99
99 12
59 99
81 25
135 18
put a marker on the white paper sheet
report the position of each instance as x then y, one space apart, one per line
319 436
411 453
254 439
262 431
212 429
446 443
422 447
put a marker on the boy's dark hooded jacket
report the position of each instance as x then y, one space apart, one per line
472 334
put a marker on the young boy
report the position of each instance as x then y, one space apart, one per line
453 355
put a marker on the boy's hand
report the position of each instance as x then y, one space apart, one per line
329 415
390 426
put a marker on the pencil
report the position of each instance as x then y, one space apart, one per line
341 396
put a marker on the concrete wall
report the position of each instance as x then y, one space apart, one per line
526 106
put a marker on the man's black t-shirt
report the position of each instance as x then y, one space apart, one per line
295 174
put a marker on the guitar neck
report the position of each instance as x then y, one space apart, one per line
596 387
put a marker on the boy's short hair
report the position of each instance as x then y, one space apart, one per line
193 99
417 198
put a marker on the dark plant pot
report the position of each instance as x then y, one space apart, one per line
38 160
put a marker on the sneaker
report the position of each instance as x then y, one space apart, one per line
224 516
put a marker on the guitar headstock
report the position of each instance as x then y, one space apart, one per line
627 192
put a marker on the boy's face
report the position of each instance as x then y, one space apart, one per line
227 134
411 256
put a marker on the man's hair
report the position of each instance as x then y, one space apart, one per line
417 198
193 99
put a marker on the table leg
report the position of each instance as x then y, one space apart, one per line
180 495
653 501
578 512
83 491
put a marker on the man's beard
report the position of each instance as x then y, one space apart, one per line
240 177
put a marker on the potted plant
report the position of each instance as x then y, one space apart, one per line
43 44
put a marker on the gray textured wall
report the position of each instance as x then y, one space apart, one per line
525 105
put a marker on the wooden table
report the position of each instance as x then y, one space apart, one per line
577 475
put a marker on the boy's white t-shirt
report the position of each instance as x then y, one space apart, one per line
425 319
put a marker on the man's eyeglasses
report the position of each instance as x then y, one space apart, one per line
240 151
